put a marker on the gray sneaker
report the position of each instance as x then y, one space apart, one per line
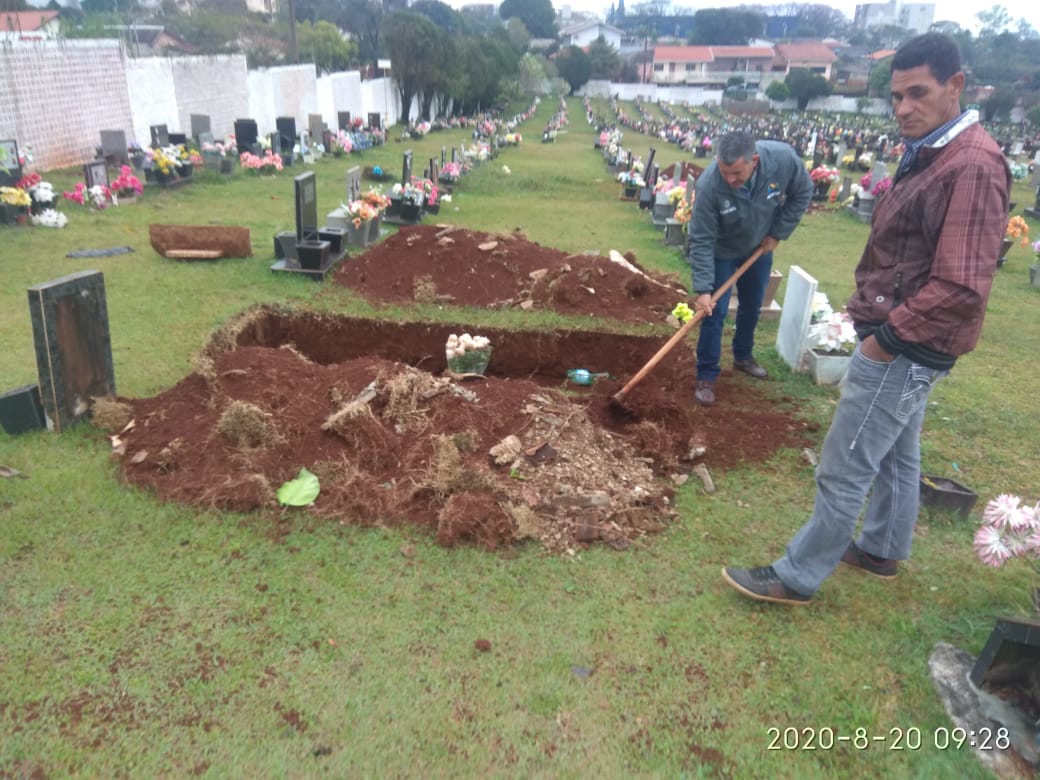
884 568
763 584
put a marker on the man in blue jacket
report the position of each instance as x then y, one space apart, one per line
752 196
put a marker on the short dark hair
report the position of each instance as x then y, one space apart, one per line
734 146
935 50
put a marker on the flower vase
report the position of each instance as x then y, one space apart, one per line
185 170
629 192
394 209
1005 247
433 208
410 211
163 178
827 368
822 190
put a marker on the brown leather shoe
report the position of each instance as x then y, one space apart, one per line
704 392
751 368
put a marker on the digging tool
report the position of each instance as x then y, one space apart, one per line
680 334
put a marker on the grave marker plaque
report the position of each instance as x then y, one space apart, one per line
160 136
353 183
199 125
73 345
21 410
114 148
10 170
795 317
286 130
316 126
406 168
374 121
178 139
246 135
95 172
343 120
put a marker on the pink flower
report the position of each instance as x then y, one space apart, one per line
990 546
999 511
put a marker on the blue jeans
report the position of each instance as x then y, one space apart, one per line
751 288
872 455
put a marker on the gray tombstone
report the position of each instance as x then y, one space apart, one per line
652 173
454 151
649 162
199 125
879 172
795 317
677 173
353 183
114 148
343 120
316 125
374 121
843 149
406 168
691 186
846 189
444 156
160 136
73 345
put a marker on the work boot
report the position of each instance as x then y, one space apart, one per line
751 368
704 392
884 568
763 584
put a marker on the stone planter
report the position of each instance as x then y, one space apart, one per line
410 212
946 494
629 193
826 368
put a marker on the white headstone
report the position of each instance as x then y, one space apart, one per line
795 316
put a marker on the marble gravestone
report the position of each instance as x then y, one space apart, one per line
114 148
199 125
795 316
316 126
73 345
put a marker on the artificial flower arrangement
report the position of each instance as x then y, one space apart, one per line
451 171
15 196
1009 530
1017 230
876 189
99 196
50 218
341 143
408 193
376 199
1036 250
631 178
163 160
429 189
676 194
830 331
664 184
270 162
126 184
513 139
467 354
360 211
824 173
683 212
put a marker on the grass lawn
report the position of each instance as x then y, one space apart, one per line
142 639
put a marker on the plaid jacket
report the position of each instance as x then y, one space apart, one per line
926 271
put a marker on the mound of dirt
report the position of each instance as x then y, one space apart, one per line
456 266
518 454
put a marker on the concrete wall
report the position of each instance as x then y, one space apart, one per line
56 96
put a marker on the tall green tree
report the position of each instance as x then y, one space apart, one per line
538 16
573 66
806 85
604 61
726 27
323 44
412 41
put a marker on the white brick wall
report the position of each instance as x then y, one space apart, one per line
57 96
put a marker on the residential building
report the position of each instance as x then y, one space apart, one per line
814 56
711 66
582 33
28 25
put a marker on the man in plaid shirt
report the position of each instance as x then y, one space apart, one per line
921 291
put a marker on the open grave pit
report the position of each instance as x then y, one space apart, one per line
520 453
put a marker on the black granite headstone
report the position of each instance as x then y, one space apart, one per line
246 135
73 345
374 121
286 126
178 139
343 120
444 156
353 183
305 187
21 410
316 126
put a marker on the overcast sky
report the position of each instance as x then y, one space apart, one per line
960 11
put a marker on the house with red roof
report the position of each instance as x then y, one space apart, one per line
28 25
710 66
814 56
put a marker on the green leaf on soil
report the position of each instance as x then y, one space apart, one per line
300 491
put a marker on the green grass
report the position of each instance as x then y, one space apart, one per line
144 639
